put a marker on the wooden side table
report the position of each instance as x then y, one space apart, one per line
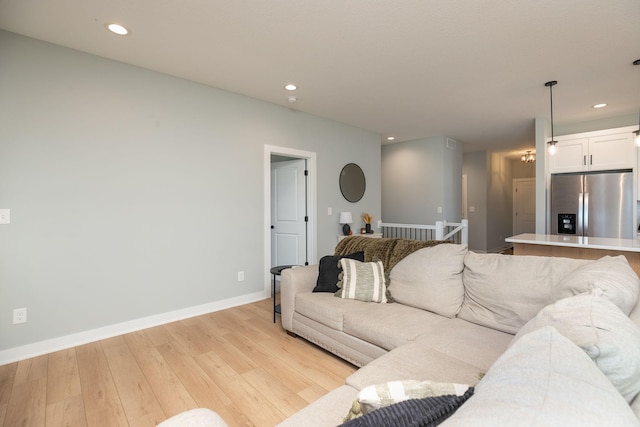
276 271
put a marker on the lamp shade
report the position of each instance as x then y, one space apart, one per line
345 218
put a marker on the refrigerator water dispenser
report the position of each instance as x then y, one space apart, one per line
567 223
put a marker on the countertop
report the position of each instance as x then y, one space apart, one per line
626 245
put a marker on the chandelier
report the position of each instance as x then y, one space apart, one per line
528 157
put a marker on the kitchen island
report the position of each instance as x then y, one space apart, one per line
578 247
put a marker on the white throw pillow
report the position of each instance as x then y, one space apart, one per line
602 330
363 281
431 279
544 380
613 275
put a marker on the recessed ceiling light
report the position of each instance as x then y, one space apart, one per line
118 29
391 138
599 105
291 86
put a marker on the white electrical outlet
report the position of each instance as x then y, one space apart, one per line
240 276
19 315
5 216
439 209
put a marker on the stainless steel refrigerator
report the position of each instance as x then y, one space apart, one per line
598 204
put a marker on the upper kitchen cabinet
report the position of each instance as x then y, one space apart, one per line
594 151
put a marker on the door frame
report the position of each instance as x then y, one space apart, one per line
312 225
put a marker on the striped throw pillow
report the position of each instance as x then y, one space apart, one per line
363 281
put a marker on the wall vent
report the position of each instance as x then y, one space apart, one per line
451 144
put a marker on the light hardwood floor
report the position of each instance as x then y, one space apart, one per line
236 362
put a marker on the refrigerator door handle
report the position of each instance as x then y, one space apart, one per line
585 215
580 225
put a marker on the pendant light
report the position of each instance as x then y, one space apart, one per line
551 144
637 132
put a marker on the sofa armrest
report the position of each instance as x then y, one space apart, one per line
293 281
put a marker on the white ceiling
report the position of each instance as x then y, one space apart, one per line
473 70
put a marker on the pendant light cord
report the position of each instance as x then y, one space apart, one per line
551 98
551 84
637 62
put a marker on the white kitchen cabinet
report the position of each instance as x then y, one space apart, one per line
593 152
570 156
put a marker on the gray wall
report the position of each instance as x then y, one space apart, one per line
489 192
418 176
499 203
522 170
475 167
133 193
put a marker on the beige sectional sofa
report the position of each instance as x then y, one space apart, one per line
456 319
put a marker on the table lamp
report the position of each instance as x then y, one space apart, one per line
345 218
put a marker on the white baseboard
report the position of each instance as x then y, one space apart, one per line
55 344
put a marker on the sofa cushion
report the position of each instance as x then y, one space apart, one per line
416 361
544 380
602 330
363 281
505 291
390 325
431 279
613 275
471 343
635 406
329 269
325 308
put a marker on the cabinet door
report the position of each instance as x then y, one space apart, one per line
611 152
571 156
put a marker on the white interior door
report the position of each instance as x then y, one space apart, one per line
524 205
288 202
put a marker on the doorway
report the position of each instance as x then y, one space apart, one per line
289 215
290 206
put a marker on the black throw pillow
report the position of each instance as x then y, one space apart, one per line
329 269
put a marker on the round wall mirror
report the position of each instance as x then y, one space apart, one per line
352 182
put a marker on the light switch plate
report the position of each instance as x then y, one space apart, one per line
5 216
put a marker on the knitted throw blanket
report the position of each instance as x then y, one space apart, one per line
388 250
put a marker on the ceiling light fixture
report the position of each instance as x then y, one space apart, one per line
551 144
291 86
292 99
528 157
637 132
391 138
602 105
118 29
